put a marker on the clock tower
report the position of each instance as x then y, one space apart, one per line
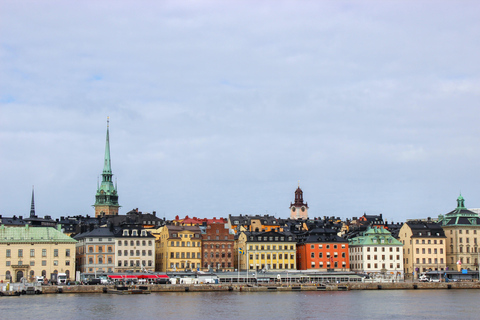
106 199
298 209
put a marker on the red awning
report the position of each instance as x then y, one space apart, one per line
140 276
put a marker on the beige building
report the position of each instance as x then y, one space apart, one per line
424 247
178 248
27 252
462 229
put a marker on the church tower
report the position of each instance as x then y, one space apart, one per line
106 199
298 209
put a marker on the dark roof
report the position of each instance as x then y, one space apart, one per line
426 229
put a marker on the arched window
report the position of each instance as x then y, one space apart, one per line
32 273
68 274
44 273
8 275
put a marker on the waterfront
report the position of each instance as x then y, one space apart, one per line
378 304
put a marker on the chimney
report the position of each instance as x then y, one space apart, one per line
154 213
20 217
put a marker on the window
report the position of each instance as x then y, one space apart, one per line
67 253
44 252
44 263
20 253
55 262
32 252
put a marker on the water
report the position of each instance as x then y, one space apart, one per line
378 304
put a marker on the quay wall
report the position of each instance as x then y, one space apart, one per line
268 288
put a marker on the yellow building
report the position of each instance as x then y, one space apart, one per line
27 252
266 250
424 247
178 248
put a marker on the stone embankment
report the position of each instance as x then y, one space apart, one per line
270 288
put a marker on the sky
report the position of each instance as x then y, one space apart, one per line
225 107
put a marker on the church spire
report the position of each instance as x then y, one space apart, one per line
106 199
107 167
32 207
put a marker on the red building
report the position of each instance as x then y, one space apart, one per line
322 249
217 245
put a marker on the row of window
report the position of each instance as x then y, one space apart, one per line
273 266
467 248
8 275
467 240
32 253
222 265
429 260
320 255
429 250
135 263
274 256
183 265
32 263
185 244
135 253
466 231
133 233
175 235
467 260
183 255
327 246
273 247
91 249
217 255
217 246
328 264
375 266
417 241
100 260
270 238
217 237
391 257
133 242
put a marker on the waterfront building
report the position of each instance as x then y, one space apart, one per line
218 246
299 209
424 247
271 250
27 252
95 251
462 229
135 249
377 253
323 250
178 248
106 198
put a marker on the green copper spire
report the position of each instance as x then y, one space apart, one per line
107 167
106 199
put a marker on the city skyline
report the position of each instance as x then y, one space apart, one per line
219 108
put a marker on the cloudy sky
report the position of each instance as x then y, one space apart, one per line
221 107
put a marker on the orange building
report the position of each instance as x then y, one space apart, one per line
323 250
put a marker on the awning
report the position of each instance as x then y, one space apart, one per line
140 276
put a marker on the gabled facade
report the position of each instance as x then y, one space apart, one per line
377 254
178 248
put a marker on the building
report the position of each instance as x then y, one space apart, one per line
462 229
28 252
424 247
269 250
298 209
106 198
95 251
323 250
135 249
178 248
376 253
218 246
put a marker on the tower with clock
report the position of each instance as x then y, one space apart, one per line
298 209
